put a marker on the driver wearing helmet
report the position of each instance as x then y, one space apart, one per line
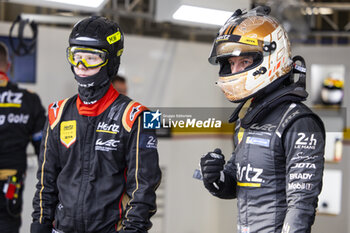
98 167
276 169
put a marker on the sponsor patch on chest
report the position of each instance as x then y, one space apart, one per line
107 128
106 144
264 142
68 133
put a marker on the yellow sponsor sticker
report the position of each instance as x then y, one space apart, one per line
248 184
240 134
9 105
114 37
248 40
68 133
120 52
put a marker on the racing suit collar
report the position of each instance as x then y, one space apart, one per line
3 79
261 106
98 107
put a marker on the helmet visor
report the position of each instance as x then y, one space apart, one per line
88 57
231 65
233 45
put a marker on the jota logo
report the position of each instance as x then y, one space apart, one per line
151 120
304 165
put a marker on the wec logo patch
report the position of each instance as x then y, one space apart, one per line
68 133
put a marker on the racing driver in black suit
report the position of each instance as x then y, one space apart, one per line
276 169
22 118
98 168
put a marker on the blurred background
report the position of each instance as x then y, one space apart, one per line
165 65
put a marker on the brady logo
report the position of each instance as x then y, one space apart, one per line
300 186
266 127
249 173
304 165
300 176
106 128
151 120
305 142
11 99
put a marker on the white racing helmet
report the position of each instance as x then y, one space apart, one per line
255 34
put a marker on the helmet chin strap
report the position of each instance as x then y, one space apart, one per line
94 87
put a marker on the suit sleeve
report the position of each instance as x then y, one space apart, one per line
38 123
304 144
143 178
46 195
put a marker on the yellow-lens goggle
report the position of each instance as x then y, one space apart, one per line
88 57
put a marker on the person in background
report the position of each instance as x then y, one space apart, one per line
98 167
276 169
22 119
119 83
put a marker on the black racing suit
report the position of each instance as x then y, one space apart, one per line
22 118
98 168
276 169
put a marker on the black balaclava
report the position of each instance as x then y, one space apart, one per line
94 87
99 33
